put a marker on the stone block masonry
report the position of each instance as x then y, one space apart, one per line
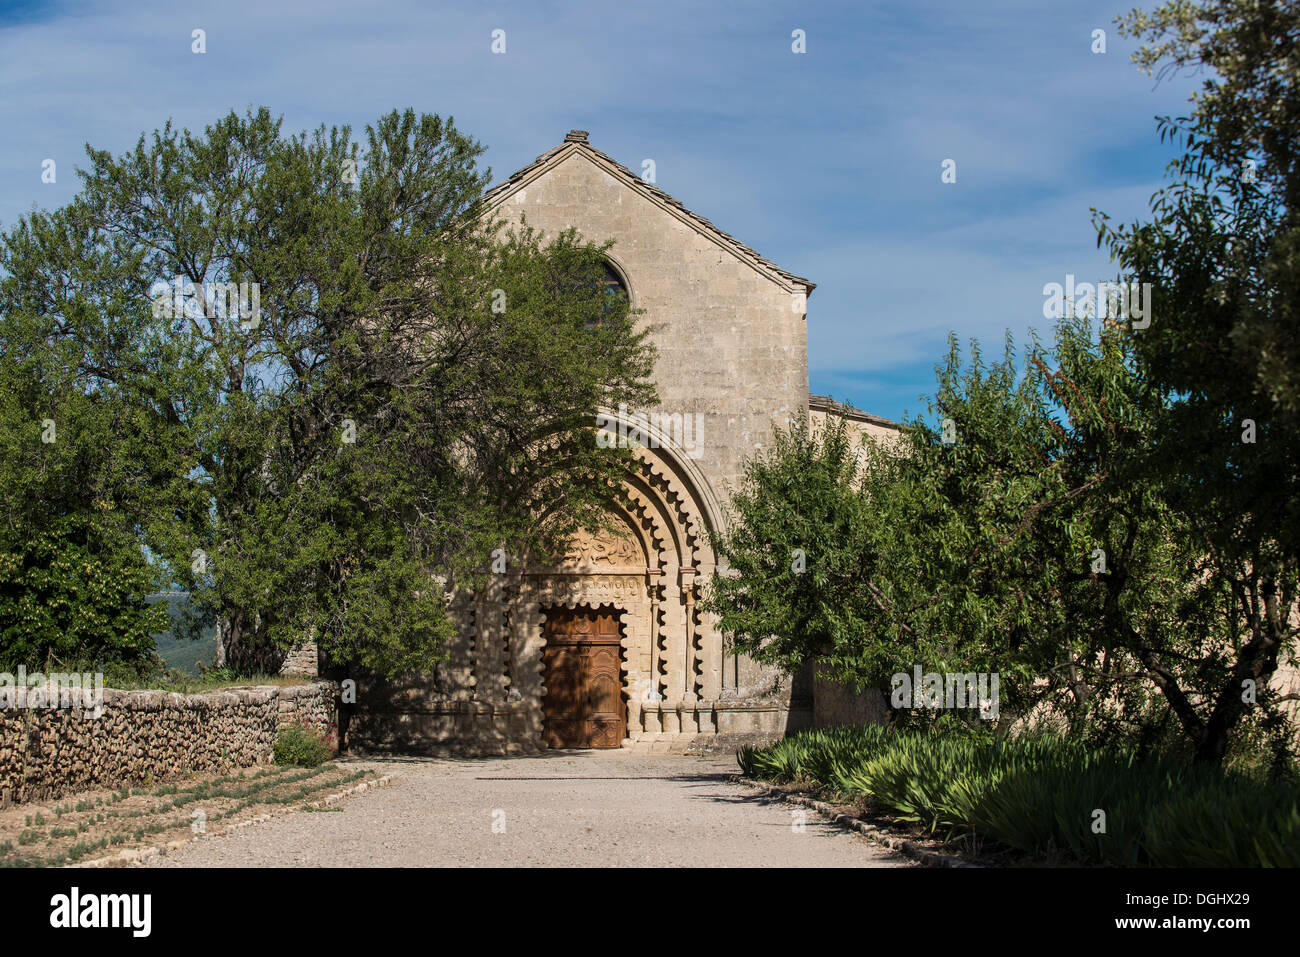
46 753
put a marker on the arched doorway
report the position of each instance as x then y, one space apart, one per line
583 705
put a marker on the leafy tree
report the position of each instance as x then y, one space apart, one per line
73 576
1170 452
796 533
1020 536
1222 252
401 382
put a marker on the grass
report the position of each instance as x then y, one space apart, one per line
216 680
1046 797
89 824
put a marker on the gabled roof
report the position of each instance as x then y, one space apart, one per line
826 404
576 142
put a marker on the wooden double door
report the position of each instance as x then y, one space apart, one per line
583 707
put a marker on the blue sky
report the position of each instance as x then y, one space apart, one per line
826 162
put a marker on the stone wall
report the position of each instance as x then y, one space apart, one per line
302 660
314 705
836 704
46 753
729 327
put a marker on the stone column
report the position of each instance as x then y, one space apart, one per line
650 707
486 650
528 659
689 722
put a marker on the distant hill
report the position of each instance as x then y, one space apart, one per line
182 653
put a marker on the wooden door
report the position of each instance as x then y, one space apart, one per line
583 707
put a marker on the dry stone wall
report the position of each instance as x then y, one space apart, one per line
156 736
314 705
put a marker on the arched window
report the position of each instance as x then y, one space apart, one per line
610 295
613 294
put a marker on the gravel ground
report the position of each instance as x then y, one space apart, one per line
561 809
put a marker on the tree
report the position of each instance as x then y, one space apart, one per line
363 378
1171 453
1017 535
1222 252
73 575
795 536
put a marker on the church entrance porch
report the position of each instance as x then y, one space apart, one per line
603 646
582 667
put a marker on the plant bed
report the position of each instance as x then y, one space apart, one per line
1039 799
96 824
910 838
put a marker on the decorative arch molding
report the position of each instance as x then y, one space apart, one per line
674 663
677 476
666 539
664 500
650 522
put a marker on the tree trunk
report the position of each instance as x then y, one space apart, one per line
241 649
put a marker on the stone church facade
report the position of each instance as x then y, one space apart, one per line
609 648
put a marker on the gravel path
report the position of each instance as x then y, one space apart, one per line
593 808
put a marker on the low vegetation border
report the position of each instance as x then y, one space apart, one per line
138 823
847 818
1041 799
130 857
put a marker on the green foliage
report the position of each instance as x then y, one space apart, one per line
216 676
301 747
1019 537
798 499
1086 521
1040 794
1221 250
418 382
73 576
1221 825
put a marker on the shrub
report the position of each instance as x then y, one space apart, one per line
1220 825
1040 794
301 747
